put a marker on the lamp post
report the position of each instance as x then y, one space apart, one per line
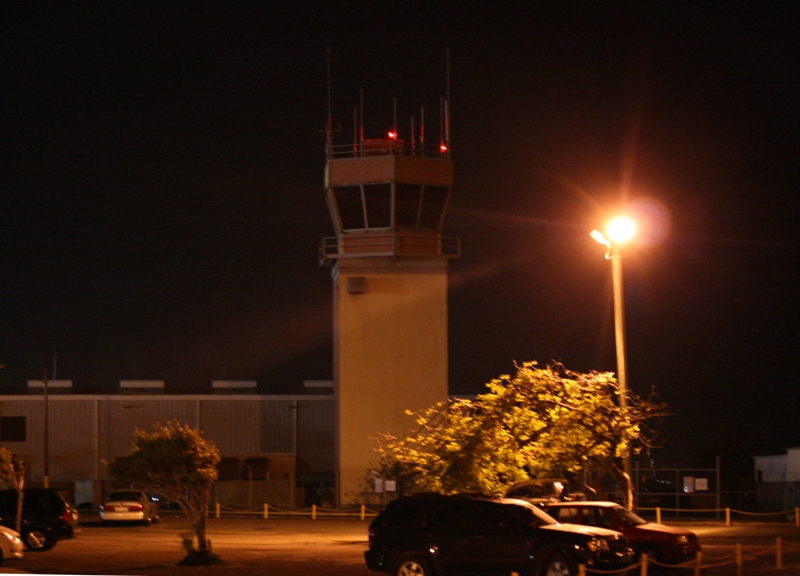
619 231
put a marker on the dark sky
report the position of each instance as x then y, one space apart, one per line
162 192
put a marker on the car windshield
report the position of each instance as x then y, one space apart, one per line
630 518
125 496
530 515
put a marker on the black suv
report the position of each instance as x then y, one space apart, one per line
433 534
46 517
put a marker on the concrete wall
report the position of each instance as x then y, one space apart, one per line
390 355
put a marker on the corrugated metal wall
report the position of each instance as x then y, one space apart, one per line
85 431
233 425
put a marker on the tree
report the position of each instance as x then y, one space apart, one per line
176 462
13 471
540 422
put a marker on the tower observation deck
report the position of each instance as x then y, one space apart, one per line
387 198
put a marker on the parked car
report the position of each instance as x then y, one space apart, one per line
664 544
433 534
47 517
10 544
542 490
129 506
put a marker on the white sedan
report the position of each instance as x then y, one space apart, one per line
129 506
10 544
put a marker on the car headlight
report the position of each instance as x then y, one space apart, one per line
683 539
598 545
8 536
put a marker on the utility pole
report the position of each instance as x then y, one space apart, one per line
46 436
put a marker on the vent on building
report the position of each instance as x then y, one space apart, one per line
318 387
53 386
234 386
357 285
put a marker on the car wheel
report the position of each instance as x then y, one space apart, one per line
559 564
38 540
413 566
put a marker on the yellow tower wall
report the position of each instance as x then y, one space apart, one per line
390 356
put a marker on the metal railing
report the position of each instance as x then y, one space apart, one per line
385 147
393 245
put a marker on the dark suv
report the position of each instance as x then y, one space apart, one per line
432 534
46 517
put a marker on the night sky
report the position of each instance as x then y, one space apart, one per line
163 202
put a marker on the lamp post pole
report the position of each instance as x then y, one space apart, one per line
622 365
46 435
620 230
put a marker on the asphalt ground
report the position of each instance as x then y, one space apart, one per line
335 547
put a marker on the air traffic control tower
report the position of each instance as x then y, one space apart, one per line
387 200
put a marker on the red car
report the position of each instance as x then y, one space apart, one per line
664 544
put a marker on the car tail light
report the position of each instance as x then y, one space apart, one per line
66 516
371 534
135 508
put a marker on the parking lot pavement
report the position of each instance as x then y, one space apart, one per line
327 546
299 547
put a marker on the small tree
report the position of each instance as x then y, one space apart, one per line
176 462
539 422
13 471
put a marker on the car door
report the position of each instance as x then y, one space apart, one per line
443 531
497 541
613 521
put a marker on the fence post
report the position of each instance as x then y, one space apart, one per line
266 511
645 562
698 564
778 553
581 569
727 516
313 511
216 506
658 515
739 565
363 511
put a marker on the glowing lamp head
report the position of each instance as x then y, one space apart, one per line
392 135
621 229
443 148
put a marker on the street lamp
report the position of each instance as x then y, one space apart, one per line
619 231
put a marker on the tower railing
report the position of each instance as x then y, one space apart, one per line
396 244
385 147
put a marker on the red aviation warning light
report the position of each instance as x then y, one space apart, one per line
443 148
392 135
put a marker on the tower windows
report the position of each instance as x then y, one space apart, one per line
369 206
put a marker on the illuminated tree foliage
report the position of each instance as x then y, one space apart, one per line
539 423
176 462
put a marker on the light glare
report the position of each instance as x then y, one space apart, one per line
621 230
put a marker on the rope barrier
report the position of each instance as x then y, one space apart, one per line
314 512
728 513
